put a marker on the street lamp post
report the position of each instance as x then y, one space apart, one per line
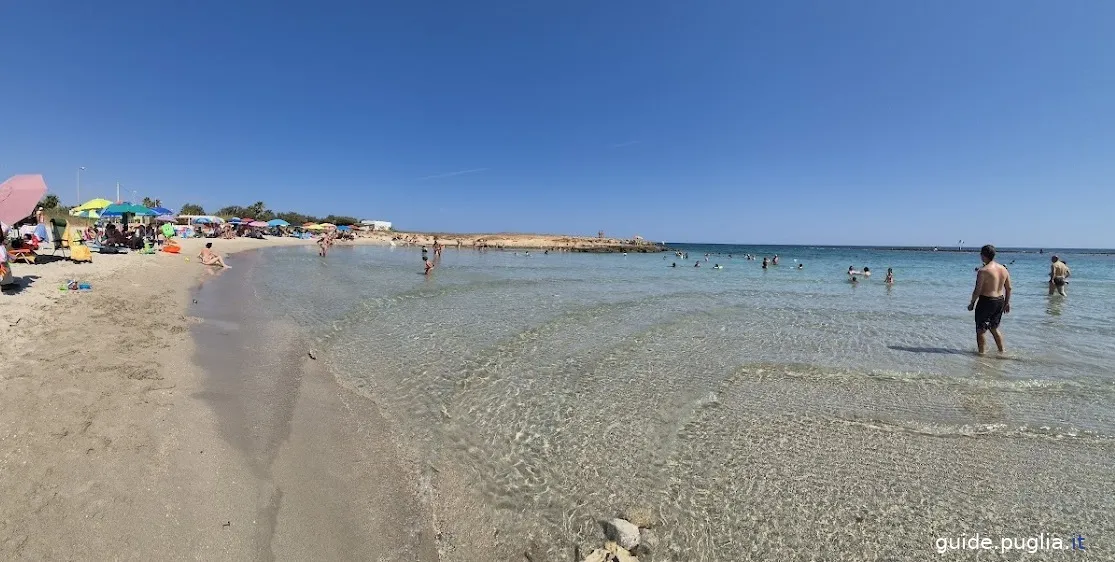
79 184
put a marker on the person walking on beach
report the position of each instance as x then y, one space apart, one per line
990 298
1058 274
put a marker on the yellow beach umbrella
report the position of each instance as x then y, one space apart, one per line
314 227
91 205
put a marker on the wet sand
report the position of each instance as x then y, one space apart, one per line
115 444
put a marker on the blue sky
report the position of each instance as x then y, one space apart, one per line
839 122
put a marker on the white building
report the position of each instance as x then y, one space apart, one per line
376 225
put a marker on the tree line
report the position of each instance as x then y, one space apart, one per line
257 211
260 212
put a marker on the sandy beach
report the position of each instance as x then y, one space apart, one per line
114 445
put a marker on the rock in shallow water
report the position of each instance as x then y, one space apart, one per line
641 516
622 531
611 552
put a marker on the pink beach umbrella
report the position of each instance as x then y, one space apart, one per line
19 196
257 224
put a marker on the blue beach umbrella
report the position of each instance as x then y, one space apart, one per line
203 220
277 222
344 228
161 211
121 209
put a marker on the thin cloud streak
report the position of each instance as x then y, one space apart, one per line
623 144
451 174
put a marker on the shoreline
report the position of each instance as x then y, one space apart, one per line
115 444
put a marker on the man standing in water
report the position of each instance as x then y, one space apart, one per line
1057 274
990 298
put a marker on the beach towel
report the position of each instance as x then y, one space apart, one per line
80 252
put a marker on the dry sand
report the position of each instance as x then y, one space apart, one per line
111 446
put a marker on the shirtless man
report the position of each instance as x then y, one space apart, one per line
209 257
1057 274
990 298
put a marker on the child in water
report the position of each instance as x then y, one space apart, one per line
428 263
890 277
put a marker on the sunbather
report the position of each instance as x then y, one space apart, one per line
209 257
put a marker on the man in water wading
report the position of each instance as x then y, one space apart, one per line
993 295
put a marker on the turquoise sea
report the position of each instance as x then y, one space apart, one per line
783 414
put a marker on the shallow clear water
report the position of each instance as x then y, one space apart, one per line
759 414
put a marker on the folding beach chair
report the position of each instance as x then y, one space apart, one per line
26 255
61 237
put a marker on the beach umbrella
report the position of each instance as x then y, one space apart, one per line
203 220
246 219
344 228
19 196
166 218
121 209
314 227
277 222
86 214
257 224
162 211
234 220
91 205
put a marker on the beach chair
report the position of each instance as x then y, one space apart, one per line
26 255
61 238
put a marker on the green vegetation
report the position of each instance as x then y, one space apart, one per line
259 211
54 209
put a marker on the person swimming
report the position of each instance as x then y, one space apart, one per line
717 266
801 266
675 264
697 263
866 271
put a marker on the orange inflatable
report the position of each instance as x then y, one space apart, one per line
172 248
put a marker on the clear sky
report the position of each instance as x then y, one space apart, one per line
822 121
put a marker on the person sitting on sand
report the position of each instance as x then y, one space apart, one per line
1058 274
209 257
890 277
